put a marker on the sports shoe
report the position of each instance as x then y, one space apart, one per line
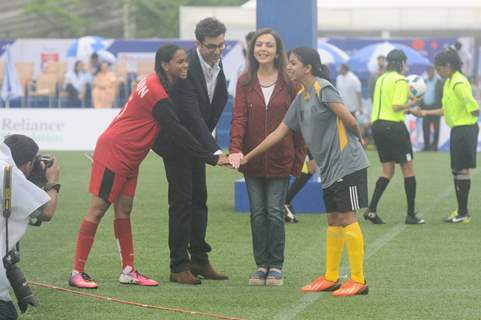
135 277
459 219
373 217
258 278
321 284
275 277
290 214
81 280
414 219
351 288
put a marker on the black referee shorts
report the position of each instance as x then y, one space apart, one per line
347 194
463 147
392 141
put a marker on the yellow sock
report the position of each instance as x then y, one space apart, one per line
334 245
355 251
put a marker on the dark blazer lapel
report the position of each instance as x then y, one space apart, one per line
196 71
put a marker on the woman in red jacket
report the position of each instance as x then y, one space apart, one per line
263 95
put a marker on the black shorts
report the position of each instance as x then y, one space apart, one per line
7 311
393 141
347 194
462 147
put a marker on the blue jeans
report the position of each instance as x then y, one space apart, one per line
266 200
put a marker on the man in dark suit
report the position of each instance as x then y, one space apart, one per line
200 101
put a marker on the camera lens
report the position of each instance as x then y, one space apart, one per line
20 287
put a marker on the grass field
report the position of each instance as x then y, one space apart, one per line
414 272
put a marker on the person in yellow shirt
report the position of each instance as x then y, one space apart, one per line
391 97
461 112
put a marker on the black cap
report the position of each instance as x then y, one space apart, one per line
396 55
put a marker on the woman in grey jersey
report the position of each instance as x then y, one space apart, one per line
333 138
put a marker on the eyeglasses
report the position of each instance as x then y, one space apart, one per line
213 47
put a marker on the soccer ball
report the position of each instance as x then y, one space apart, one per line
416 86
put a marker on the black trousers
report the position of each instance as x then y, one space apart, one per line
7 311
187 211
427 122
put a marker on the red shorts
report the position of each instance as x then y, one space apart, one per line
108 185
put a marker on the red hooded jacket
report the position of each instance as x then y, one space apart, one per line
252 121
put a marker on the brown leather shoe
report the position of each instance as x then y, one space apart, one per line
184 277
206 272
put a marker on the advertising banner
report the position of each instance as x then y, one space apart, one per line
57 129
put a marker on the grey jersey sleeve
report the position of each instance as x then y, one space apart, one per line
330 94
291 119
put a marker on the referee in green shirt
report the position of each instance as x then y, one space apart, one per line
391 136
461 112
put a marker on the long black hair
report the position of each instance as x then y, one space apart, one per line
309 56
164 54
280 62
449 57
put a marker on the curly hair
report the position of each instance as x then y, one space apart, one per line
209 27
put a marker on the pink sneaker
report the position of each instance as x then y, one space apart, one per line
135 277
81 280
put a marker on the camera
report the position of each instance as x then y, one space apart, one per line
40 165
18 282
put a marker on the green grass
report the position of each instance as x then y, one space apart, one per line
414 272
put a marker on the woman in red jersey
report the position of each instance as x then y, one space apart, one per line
118 153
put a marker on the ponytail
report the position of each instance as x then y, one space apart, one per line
449 57
324 72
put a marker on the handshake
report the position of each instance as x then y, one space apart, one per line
418 112
233 160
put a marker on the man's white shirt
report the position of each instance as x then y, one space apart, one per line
210 75
26 199
349 86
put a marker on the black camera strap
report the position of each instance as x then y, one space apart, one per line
7 199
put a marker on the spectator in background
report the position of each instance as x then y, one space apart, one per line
466 59
477 88
241 68
349 87
76 83
263 96
94 64
371 81
104 87
431 100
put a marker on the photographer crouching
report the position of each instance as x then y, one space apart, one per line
28 192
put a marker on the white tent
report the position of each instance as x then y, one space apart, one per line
354 17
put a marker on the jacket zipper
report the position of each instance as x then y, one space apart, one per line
265 135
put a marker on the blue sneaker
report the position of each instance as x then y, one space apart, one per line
275 277
258 278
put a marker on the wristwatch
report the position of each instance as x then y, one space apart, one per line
50 186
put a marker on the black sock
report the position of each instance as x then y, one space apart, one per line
456 189
462 194
297 185
410 189
381 185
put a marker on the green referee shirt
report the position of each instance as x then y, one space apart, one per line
391 89
458 101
